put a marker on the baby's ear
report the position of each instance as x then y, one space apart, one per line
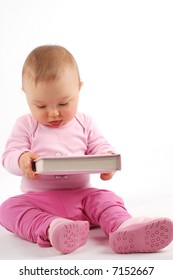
81 84
22 90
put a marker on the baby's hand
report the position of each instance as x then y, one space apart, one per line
25 163
106 176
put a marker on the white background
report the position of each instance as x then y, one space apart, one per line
124 50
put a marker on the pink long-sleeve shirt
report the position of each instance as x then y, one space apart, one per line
80 136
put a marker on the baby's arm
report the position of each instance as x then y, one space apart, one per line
97 144
17 157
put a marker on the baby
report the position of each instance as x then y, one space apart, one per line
54 210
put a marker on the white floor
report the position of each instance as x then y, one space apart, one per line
97 247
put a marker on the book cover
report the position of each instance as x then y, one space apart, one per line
77 164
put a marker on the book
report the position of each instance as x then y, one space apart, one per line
103 163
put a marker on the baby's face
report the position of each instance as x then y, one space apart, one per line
54 103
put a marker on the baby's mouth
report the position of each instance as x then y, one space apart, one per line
55 123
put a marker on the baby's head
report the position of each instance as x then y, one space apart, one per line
51 82
47 63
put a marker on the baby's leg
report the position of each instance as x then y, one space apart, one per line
105 209
26 220
30 217
66 235
127 234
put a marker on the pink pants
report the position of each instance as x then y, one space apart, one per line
29 215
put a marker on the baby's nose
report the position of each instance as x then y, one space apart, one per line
53 113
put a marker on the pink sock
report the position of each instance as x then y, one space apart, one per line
67 235
142 235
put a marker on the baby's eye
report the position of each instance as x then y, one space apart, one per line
63 104
41 106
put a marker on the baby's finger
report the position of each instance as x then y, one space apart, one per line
107 176
31 174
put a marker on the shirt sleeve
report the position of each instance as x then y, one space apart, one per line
97 144
18 143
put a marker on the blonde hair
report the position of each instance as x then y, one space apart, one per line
46 63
